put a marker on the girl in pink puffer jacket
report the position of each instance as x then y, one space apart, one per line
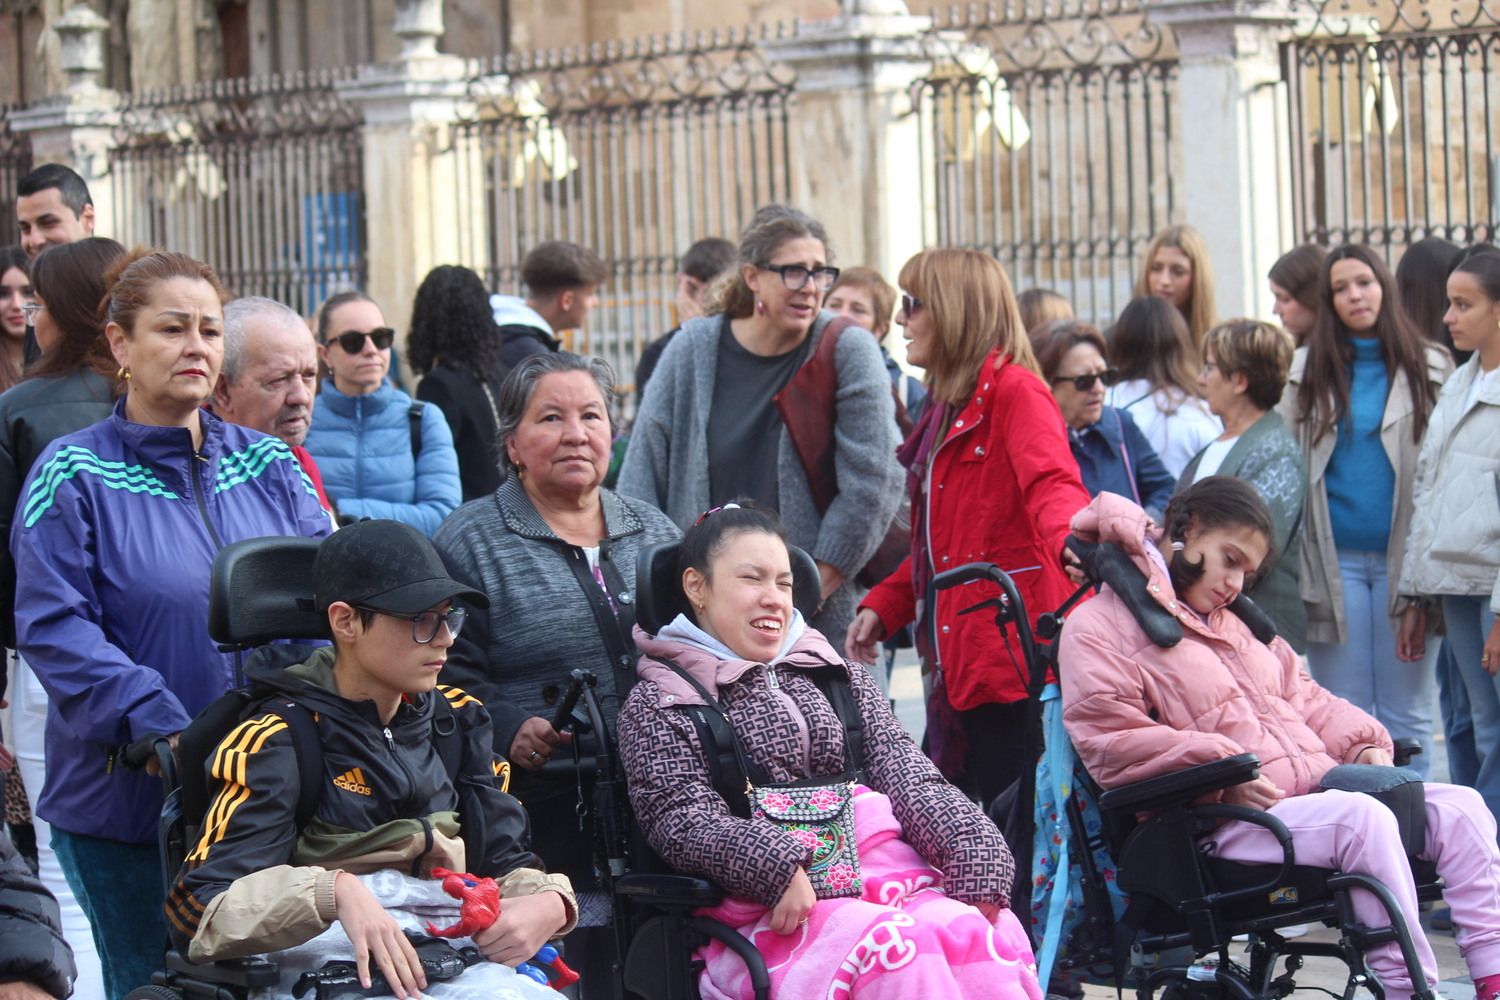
1135 710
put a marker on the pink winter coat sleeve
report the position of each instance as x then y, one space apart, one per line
1344 728
1107 699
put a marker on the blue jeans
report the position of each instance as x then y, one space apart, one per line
1364 670
120 889
1468 620
1458 719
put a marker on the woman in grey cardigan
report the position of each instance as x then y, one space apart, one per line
709 429
556 555
1245 365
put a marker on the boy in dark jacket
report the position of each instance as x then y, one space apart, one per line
254 882
35 961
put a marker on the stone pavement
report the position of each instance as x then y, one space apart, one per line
1324 973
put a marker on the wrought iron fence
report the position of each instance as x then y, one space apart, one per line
1393 110
1051 141
15 161
634 150
262 178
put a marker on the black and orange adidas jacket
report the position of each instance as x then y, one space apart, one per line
254 883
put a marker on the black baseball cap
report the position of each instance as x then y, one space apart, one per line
387 566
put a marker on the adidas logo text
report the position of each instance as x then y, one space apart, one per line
353 780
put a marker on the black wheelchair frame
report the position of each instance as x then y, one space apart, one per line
1183 900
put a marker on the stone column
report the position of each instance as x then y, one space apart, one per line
1235 185
413 212
856 160
76 127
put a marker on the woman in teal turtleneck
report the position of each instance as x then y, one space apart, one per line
1358 399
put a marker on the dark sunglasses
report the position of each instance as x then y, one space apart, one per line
1083 383
909 304
354 340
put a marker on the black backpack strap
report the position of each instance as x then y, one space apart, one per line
717 738
309 750
414 416
447 736
729 770
834 684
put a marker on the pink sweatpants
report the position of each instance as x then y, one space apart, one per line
1355 833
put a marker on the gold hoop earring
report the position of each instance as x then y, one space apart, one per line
123 374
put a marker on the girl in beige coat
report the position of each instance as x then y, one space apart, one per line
1357 402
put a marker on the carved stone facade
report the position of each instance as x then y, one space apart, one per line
165 43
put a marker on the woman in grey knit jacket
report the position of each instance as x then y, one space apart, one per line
709 429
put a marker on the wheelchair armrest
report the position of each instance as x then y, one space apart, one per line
1256 817
1181 787
654 889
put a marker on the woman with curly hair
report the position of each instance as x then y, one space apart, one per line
454 344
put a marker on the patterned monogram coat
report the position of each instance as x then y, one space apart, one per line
790 730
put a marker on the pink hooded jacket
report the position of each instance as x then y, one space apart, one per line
1135 710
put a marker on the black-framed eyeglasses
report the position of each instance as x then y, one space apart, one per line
424 624
353 341
1083 383
909 305
29 310
795 277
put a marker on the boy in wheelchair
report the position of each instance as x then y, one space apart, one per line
257 880
1135 710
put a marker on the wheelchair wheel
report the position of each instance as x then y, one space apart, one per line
153 993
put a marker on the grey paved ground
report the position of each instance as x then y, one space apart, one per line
906 691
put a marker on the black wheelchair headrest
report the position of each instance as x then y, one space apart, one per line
659 596
261 589
1106 562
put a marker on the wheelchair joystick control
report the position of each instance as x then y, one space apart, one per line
339 980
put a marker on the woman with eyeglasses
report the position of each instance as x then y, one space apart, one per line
1112 453
382 454
991 480
1357 401
114 538
712 428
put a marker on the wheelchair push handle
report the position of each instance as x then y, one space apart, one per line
153 746
577 681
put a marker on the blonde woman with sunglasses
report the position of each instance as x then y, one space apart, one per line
991 479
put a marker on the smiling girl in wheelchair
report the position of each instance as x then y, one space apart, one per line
852 866
1135 710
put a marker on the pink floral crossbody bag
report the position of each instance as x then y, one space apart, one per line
818 812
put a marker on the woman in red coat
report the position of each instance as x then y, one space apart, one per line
992 479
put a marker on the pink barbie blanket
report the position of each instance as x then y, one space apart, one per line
903 938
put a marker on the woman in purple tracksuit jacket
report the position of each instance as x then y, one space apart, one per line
113 540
